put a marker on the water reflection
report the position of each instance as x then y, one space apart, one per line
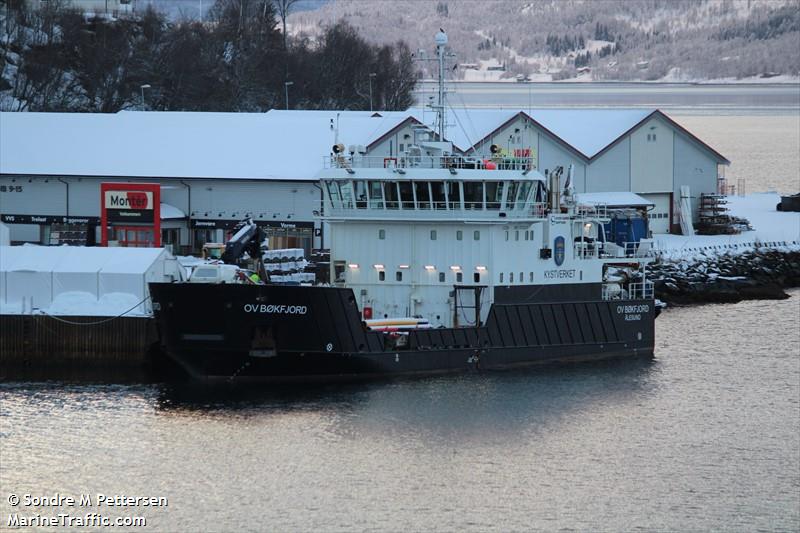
462 406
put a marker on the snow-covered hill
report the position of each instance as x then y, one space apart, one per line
677 40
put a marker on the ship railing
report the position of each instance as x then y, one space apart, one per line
640 290
640 249
404 161
430 210
592 210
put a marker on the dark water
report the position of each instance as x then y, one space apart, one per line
706 436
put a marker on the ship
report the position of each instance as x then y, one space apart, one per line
439 263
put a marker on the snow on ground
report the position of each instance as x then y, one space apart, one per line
84 303
771 228
79 303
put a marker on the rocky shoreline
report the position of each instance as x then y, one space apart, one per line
729 277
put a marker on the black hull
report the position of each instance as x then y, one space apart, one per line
302 334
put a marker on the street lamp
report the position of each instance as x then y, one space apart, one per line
286 89
371 75
143 87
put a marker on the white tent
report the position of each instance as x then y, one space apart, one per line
75 280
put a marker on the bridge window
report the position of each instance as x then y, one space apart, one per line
406 194
361 194
454 194
512 192
423 194
494 194
375 195
392 195
437 195
524 190
473 195
346 190
333 193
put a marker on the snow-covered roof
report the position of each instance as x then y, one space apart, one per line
170 212
281 145
287 145
31 258
612 199
588 131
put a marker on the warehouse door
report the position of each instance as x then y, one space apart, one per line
659 216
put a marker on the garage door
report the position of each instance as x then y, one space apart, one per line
659 215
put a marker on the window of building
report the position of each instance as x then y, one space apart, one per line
441 277
459 235
401 147
506 234
381 234
516 235
433 234
476 236
530 277
501 277
476 277
398 275
381 275
459 277
511 277
521 278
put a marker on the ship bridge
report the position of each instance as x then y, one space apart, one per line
431 188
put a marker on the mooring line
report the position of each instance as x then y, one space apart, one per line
97 323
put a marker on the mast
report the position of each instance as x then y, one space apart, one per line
441 41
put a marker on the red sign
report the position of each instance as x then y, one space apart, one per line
132 209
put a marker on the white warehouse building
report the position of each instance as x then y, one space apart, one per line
215 169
